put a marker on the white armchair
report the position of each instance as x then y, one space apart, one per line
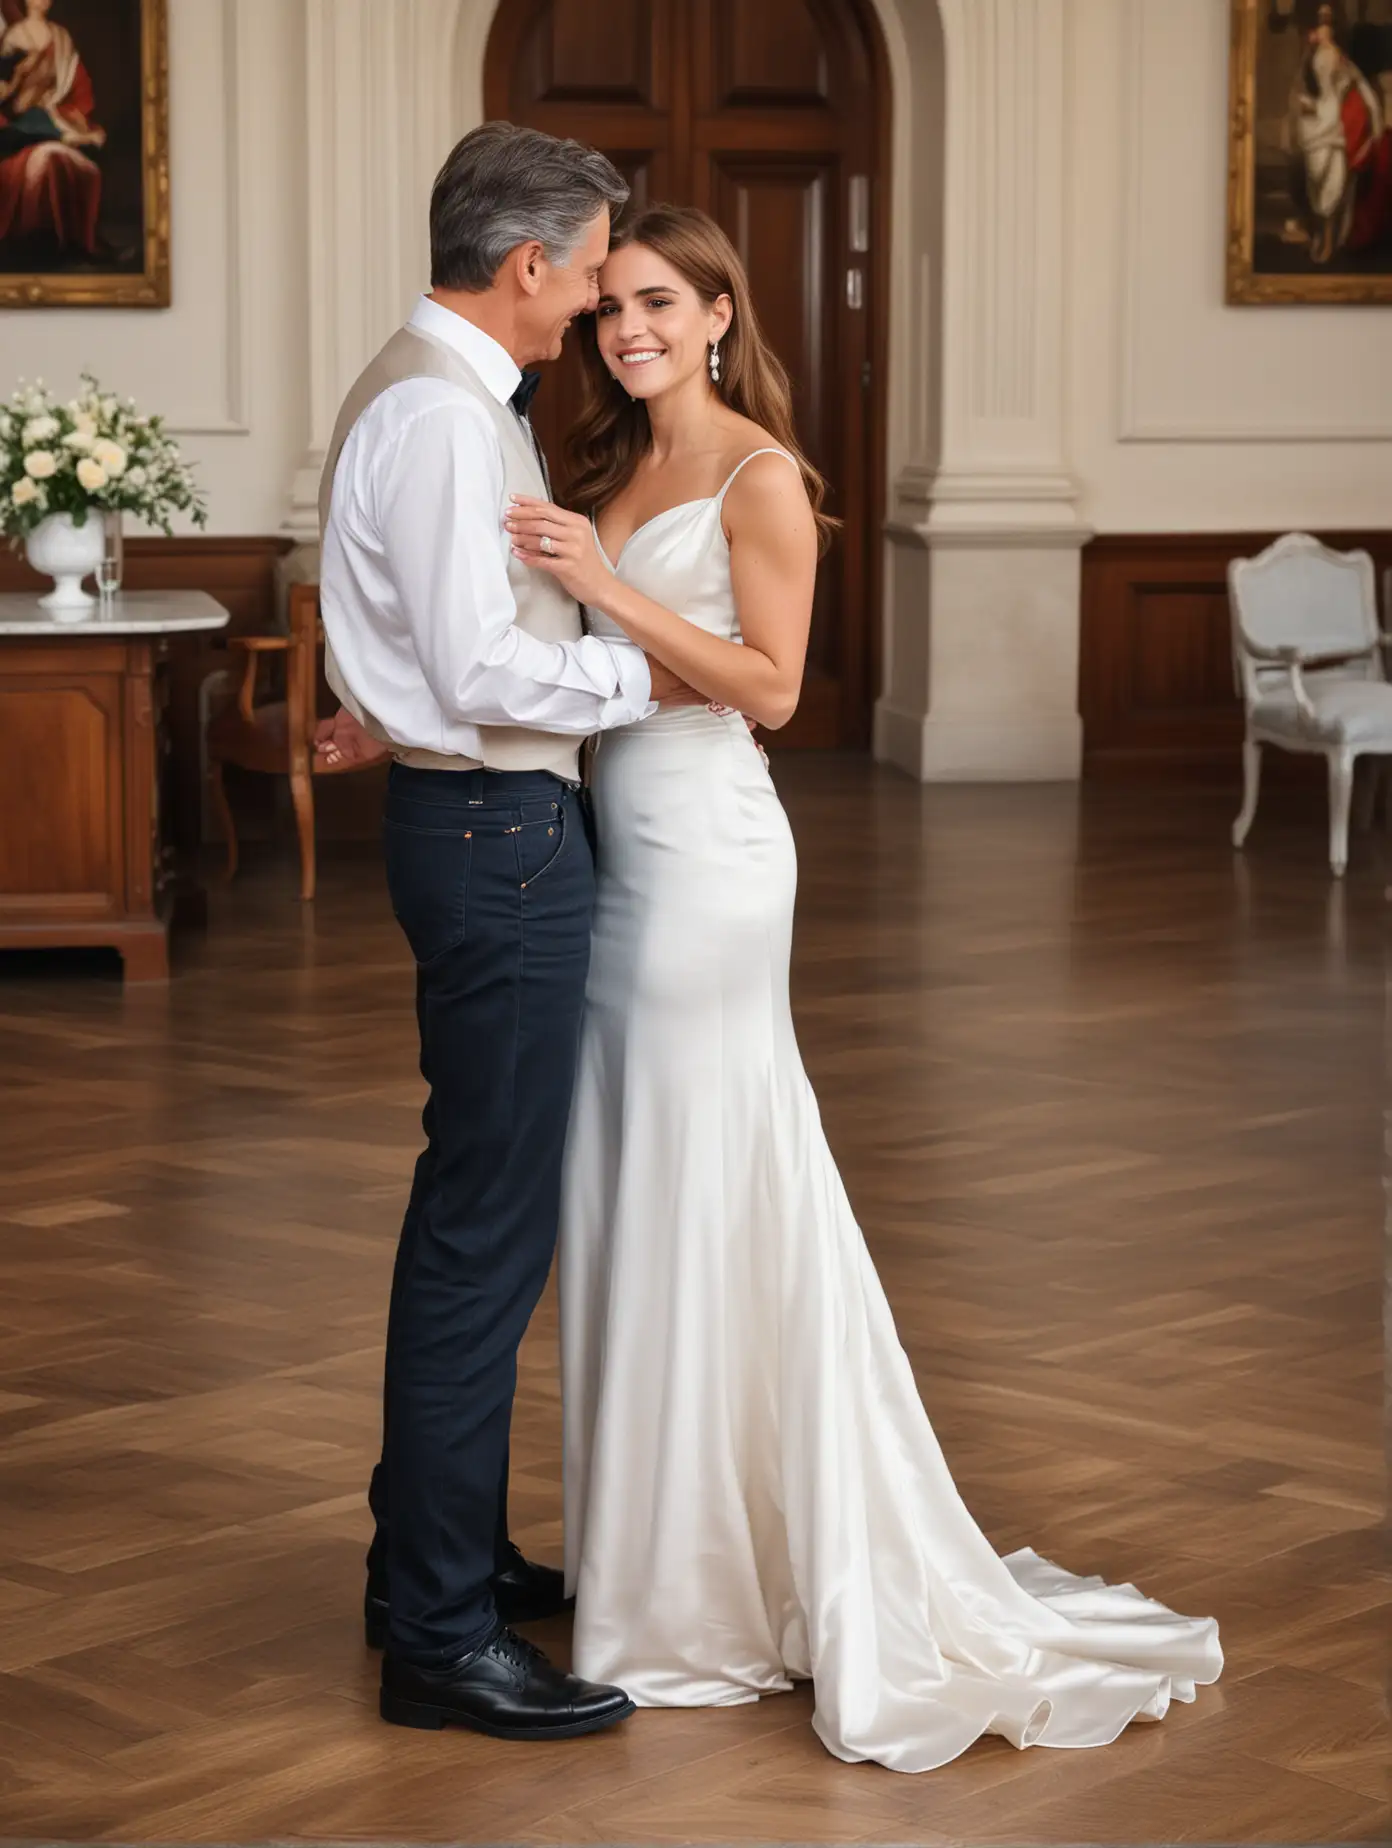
1308 656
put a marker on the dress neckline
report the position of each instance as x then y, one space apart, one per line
703 500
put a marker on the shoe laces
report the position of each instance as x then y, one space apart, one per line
516 1649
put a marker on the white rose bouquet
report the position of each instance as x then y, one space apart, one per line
92 452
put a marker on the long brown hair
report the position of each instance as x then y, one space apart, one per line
612 434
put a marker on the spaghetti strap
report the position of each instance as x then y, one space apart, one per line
719 499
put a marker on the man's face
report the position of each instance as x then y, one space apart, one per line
567 289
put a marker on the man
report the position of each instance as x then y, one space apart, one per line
474 673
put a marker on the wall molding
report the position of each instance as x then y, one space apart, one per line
989 536
1135 422
1237 434
235 420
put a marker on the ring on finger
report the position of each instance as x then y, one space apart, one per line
548 544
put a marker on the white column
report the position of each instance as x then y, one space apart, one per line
379 83
984 578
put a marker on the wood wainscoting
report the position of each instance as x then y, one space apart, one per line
241 574
1155 683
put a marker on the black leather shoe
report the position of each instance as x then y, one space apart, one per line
506 1689
526 1593
523 1592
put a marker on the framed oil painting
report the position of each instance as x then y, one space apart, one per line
84 153
1310 151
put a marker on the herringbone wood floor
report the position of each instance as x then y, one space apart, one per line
1108 1101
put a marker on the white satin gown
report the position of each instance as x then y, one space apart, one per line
753 1492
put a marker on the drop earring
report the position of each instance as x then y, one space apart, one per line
715 362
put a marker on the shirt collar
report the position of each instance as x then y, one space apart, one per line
495 366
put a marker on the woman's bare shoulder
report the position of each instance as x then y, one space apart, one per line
744 439
767 494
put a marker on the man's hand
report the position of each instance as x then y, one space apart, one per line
340 743
667 690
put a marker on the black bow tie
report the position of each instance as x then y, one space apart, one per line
526 391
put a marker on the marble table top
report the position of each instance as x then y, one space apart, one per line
130 612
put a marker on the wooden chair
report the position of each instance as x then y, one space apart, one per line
277 736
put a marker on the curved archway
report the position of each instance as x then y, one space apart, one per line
922 41
906 424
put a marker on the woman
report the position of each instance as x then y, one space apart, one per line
1337 127
50 189
754 1494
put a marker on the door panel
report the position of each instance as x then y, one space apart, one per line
560 58
61 844
776 214
767 54
572 63
762 112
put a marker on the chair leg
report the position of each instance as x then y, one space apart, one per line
1365 794
1251 788
224 812
1382 790
302 794
1340 799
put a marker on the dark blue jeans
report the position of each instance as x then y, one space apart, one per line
491 876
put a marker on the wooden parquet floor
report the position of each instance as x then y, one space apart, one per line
1109 1102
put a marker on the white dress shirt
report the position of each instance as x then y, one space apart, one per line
414 566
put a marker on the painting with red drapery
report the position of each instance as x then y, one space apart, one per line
1310 168
84 192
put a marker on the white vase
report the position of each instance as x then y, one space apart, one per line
67 553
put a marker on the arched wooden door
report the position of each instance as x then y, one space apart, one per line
773 116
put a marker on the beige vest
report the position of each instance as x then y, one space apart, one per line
543 608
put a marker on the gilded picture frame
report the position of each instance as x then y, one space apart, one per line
1310 152
84 154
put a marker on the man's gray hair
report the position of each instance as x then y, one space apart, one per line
503 186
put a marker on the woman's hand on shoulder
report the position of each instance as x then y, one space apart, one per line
550 539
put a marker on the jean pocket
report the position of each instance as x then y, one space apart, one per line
539 846
428 879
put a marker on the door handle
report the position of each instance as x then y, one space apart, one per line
860 212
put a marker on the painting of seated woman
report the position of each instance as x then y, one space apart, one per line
1310 212
83 161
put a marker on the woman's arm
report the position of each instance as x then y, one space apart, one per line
773 568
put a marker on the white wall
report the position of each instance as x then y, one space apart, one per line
225 363
1180 414
1184 414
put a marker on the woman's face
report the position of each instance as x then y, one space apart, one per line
654 330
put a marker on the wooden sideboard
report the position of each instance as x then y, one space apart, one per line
84 857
